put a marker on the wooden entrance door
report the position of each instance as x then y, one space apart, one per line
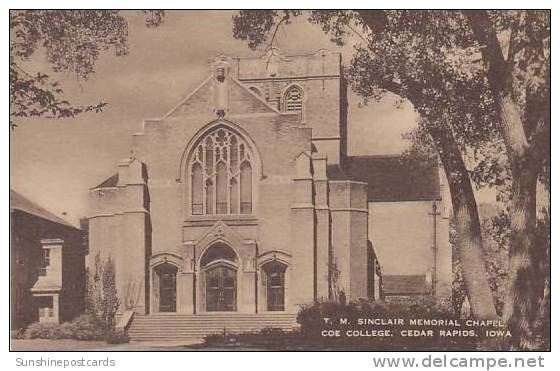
167 290
221 288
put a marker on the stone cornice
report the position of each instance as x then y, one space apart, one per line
349 209
298 78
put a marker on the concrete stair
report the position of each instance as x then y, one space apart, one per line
190 327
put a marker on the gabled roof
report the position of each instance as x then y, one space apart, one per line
252 101
405 285
19 202
392 178
257 103
112 181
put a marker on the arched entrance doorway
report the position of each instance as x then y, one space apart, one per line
165 285
275 275
221 287
219 267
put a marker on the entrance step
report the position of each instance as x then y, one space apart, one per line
190 327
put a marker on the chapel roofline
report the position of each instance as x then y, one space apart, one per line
276 65
278 52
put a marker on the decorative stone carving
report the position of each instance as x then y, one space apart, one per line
169 258
219 233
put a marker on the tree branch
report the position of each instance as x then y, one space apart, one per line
273 37
358 34
491 50
515 46
393 87
500 80
539 142
284 19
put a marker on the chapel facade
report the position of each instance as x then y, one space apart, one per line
243 198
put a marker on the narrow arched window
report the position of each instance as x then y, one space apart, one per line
209 196
222 193
221 174
293 100
234 197
246 188
196 189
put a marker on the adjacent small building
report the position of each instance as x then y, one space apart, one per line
47 265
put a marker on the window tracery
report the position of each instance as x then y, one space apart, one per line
221 174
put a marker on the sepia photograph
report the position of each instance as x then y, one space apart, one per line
279 180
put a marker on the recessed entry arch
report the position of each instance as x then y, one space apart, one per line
219 267
164 287
274 290
164 270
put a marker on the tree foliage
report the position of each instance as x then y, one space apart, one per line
479 80
518 76
72 41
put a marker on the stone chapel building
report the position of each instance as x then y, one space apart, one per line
243 199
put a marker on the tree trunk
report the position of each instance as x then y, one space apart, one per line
525 278
467 224
464 204
526 285
526 282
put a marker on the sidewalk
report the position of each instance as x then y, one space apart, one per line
68 345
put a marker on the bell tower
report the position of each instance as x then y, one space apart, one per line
311 85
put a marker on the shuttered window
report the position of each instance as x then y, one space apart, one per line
293 100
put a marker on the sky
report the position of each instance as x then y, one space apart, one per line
55 162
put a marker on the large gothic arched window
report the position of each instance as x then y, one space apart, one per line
221 174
